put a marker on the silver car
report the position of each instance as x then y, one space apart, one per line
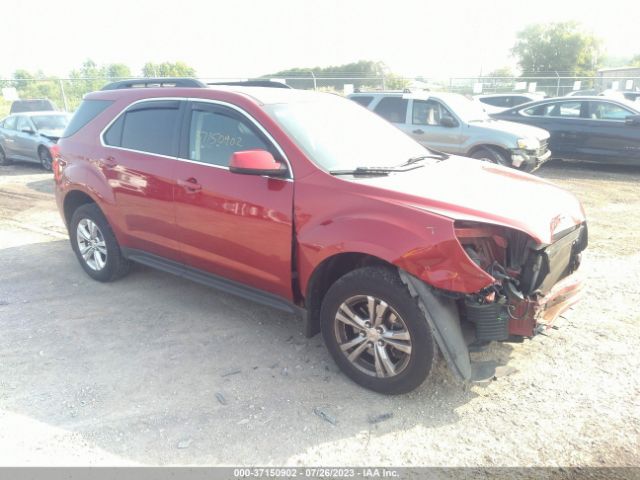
451 123
30 135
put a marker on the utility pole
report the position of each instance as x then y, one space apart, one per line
315 85
64 97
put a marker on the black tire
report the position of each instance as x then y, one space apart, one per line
45 158
3 158
115 265
491 155
383 284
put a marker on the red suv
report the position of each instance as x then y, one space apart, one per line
309 203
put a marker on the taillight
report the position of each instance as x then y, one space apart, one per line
57 164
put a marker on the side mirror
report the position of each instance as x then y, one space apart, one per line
448 122
27 130
256 162
632 120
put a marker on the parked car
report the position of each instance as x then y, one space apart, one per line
498 102
32 105
630 95
582 93
595 129
30 136
451 123
308 203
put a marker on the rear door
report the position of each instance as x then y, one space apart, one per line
609 139
425 126
394 109
138 161
7 136
232 225
565 122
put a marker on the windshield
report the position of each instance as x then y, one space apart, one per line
340 134
467 110
50 122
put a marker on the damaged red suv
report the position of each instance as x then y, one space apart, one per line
309 203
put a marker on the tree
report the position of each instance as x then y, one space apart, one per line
563 47
117 70
502 72
367 73
168 69
635 61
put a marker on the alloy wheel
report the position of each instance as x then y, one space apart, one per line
91 244
373 336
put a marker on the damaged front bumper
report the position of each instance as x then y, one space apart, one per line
529 160
532 316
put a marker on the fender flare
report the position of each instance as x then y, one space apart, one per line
442 316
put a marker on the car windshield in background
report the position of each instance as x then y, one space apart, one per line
467 110
339 134
50 122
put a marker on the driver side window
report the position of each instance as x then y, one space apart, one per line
429 112
23 123
215 134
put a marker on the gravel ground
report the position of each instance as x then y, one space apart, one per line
156 370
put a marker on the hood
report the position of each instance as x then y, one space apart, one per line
517 129
466 189
53 134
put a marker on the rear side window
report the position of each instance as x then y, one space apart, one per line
150 127
10 123
363 100
570 109
495 101
518 100
87 111
393 109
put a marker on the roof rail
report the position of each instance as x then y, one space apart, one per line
155 83
253 83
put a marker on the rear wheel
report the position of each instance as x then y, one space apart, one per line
95 245
488 154
3 158
45 158
376 332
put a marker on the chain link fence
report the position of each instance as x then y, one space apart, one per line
68 93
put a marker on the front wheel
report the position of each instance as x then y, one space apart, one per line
488 154
376 332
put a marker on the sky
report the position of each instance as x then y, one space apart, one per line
244 38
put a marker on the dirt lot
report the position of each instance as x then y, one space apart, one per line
156 370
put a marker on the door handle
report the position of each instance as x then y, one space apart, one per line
419 131
109 162
191 185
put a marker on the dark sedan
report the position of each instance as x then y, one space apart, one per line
593 129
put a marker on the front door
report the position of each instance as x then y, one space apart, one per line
232 225
609 138
26 142
425 125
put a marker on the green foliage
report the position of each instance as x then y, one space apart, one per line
635 61
88 78
394 82
362 68
543 49
168 69
502 72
